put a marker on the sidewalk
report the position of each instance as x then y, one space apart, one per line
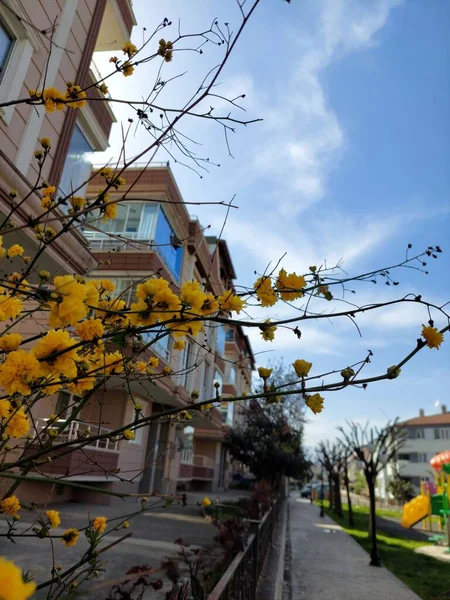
326 563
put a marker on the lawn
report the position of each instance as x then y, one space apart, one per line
429 578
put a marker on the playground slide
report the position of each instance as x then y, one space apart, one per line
415 511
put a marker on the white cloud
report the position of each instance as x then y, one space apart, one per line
306 136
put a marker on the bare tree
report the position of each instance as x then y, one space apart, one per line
374 448
331 458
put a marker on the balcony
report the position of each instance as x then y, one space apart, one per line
117 24
99 458
139 227
203 468
187 464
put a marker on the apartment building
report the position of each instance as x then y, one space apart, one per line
28 59
153 235
427 435
32 56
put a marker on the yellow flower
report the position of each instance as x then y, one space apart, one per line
77 202
192 296
141 366
18 425
70 537
315 403
53 98
73 296
113 59
268 331
75 96
229 302
206 501
99 524
153 362
264 373
125 524
106 172
90 329
5 408
290 282
12 584
53 518
19 370
302 367
45 142
432 336
165 50
265 292
103 88
107 285
49 190
10 307
10 341
46 202
210 305
127 69
130 49
178 345
109 211
128 434
15 250
57 341
167 370
10 506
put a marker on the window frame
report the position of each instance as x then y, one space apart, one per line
26 41
91 143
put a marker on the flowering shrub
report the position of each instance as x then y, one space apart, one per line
90 338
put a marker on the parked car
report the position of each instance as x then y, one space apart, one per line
305 492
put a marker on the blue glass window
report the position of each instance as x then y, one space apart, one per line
6 43
77 167
220 343
170 248
229 336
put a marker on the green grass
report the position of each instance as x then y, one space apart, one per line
427 577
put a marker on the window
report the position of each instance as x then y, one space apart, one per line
416 434
220 342
77 167
436 434
161 345
135 220
232 374
64 404
186 364
6 45
403 457
229 335
169 246
206 383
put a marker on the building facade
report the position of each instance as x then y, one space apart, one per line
428 435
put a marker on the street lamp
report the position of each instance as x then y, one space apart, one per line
322 512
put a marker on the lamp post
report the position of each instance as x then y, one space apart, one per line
322 512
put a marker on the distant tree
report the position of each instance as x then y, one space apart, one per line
331 457
401 489
360 484
268 444
374 448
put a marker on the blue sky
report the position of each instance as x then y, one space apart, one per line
350 162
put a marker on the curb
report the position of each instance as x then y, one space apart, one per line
279 580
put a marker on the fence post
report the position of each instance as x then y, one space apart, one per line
254 528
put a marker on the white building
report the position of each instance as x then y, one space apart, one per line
427 435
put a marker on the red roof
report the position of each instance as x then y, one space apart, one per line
439 419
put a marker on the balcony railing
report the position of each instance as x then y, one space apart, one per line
77 430
203 461
100 240
187 457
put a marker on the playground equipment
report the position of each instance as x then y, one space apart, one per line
434 499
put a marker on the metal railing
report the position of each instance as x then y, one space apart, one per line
77 430
240 580
187 457
203 461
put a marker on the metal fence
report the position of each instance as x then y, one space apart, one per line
240 580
